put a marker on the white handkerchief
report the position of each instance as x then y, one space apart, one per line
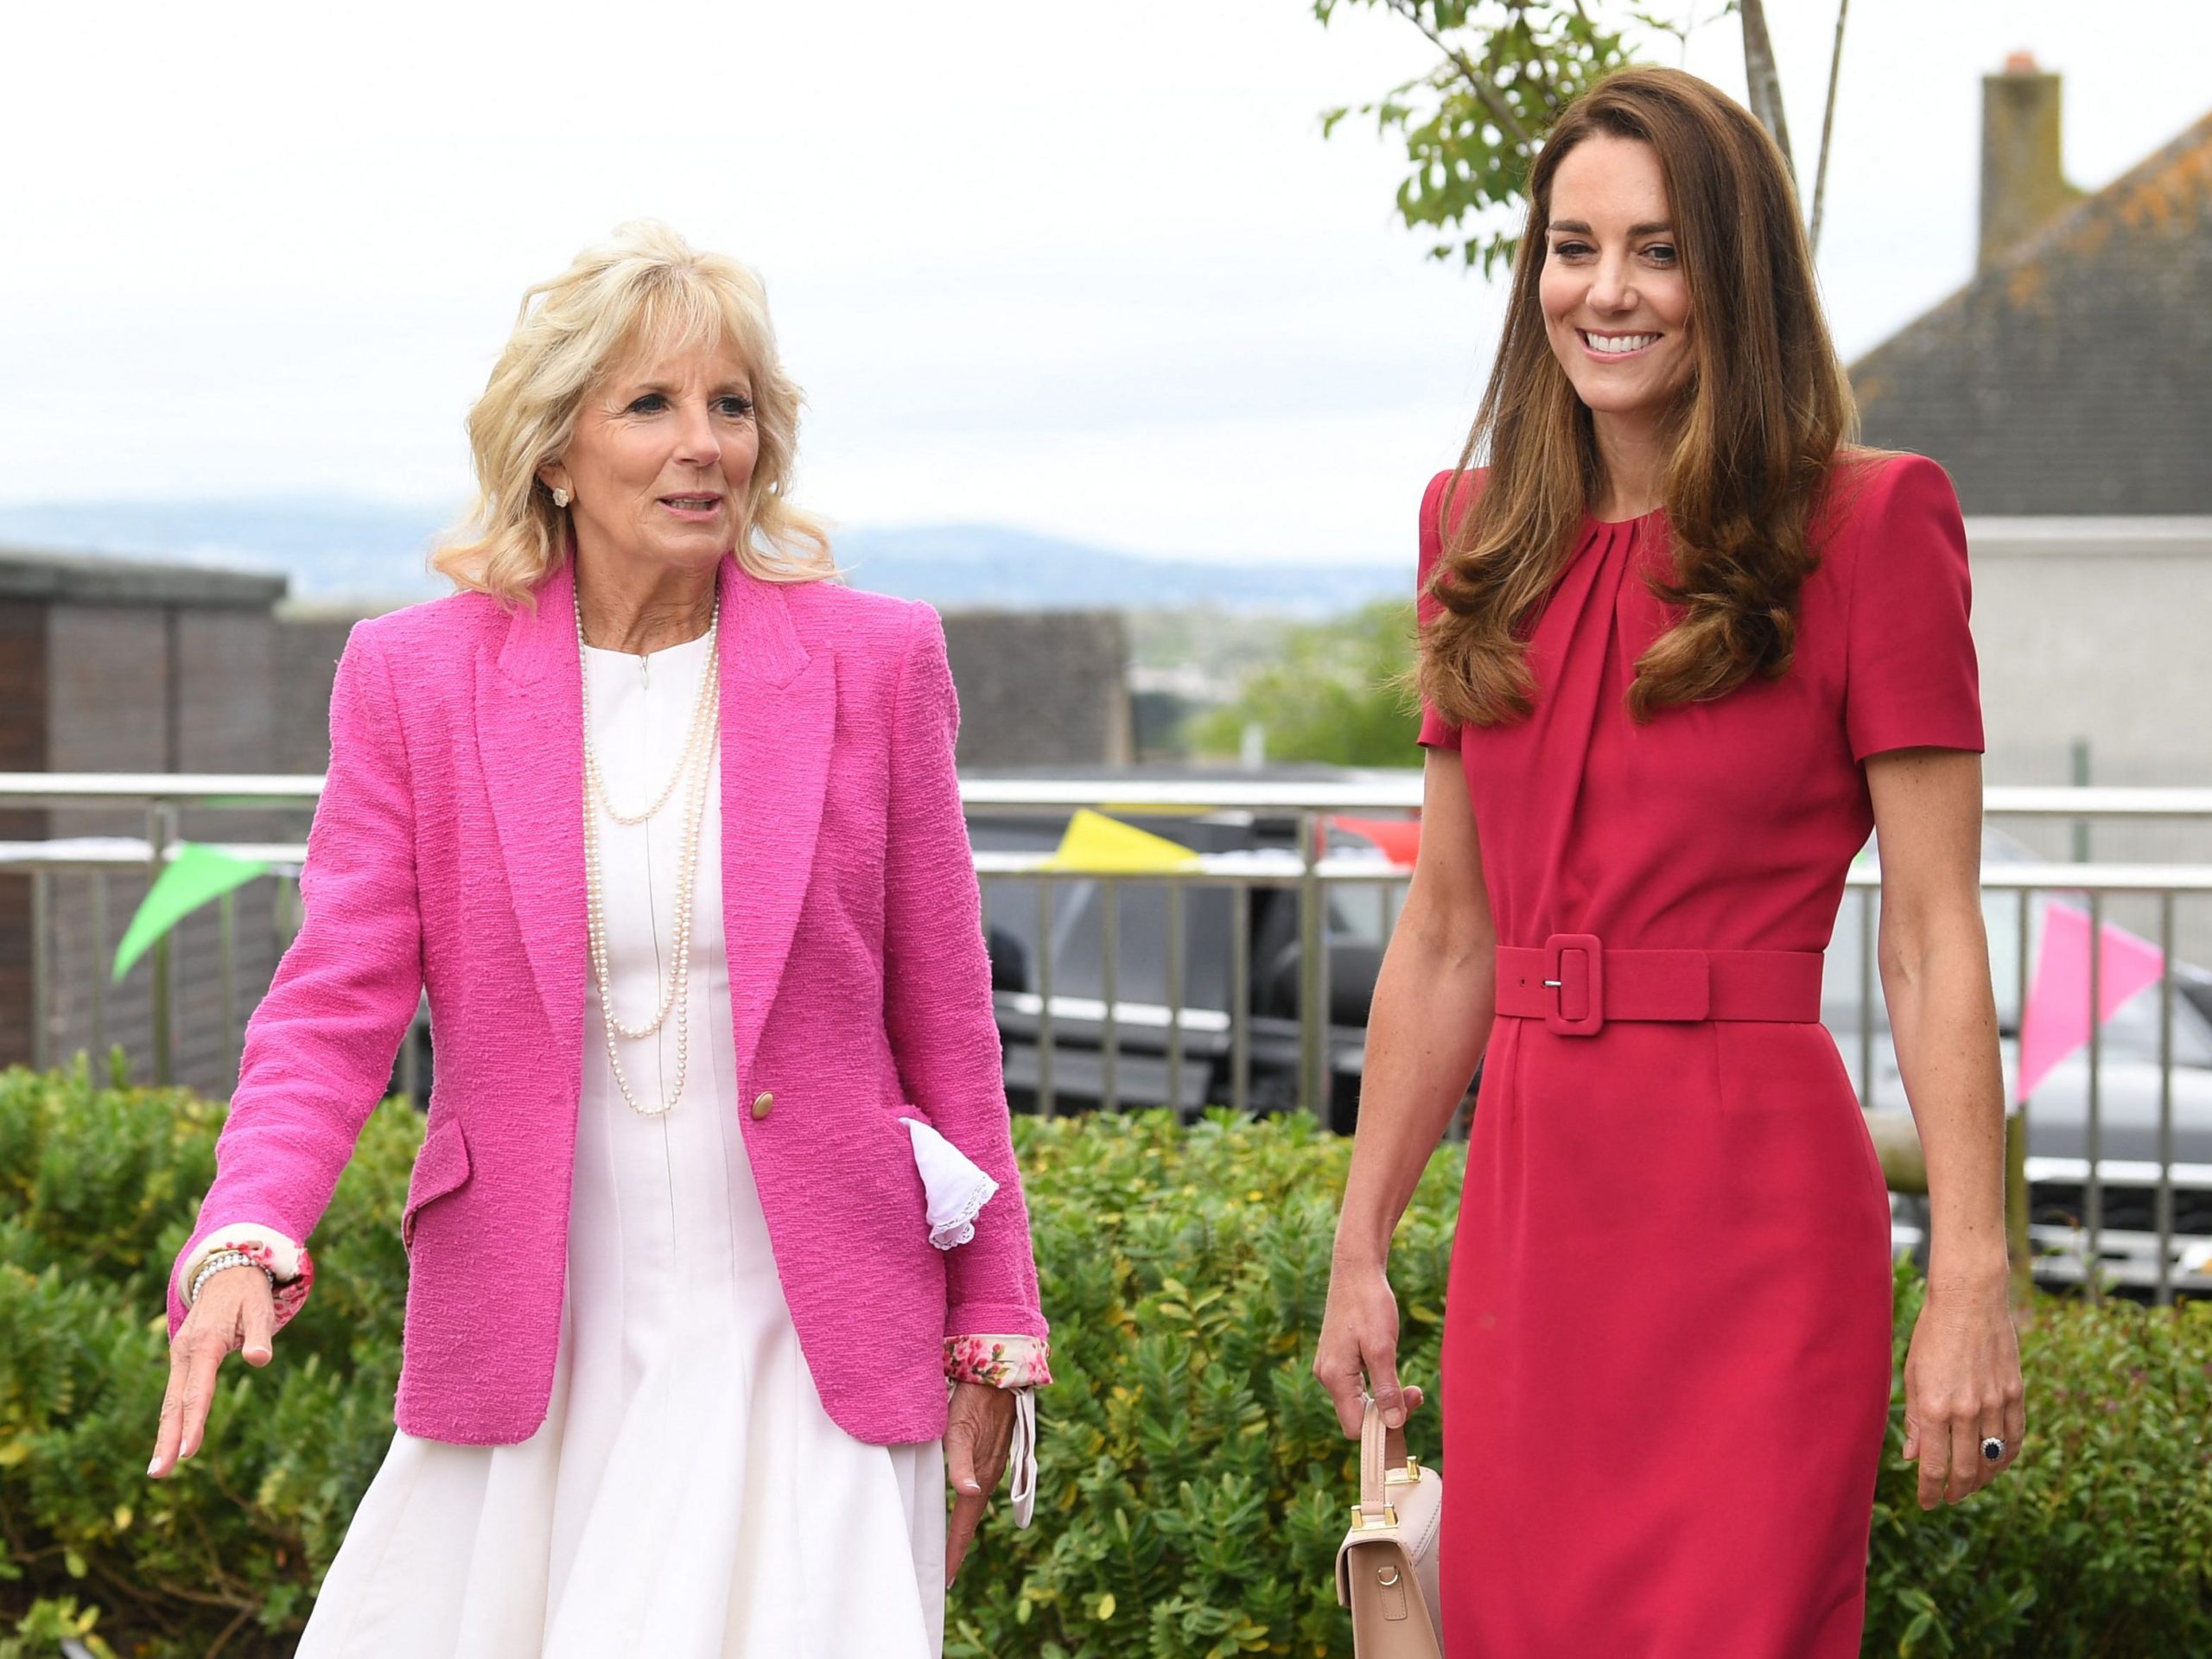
957 1189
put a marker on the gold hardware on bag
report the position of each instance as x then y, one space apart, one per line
1387 1565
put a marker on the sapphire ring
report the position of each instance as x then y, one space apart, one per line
1992 1448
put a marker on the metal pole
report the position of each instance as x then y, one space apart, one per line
1043 996
1110 1040
2080 769
1240 996
102 966
2019 1253
226 913
2165 1200
41 971
2093 1194
1175 995
158 842
2020 990
2018 1208
1866 900
1313 991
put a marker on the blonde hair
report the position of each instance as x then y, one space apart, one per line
643 288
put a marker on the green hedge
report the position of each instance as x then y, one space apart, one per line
1194 1484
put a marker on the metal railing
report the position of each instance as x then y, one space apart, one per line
1307 866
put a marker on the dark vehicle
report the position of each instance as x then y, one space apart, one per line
2130 1084
1141 1073
1232 940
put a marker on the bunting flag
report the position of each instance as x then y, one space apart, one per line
1398 838
2056 1020
1097 845
195 875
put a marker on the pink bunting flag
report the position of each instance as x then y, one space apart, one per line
2057 1017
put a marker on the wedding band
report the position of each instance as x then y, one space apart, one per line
1992 1448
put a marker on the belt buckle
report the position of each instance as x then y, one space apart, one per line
1575 971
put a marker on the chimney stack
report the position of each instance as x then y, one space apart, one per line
2023 178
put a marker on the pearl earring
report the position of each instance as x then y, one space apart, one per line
560 497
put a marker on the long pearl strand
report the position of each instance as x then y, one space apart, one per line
696 762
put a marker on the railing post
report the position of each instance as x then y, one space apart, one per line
1043 996
1867 944
158 818
1239 997
2092 1130
2018 1251
103 965
1313 992
2165 1200
41 971
226 911
1175 887
1109 1036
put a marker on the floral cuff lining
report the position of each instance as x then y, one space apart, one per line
292 1268
999 1362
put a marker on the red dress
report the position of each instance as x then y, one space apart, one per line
1666 1363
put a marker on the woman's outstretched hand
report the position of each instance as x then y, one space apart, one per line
978 1439
1962 1385
235 1312
1358 1353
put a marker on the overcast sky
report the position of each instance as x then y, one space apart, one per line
1084 270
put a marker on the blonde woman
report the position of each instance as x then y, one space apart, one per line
717 1189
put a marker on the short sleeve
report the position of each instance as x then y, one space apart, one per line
1910 677
1436 732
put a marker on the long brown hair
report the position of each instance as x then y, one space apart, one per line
1755 432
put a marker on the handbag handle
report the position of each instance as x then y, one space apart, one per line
1381 1449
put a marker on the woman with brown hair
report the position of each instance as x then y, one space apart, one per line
1682 648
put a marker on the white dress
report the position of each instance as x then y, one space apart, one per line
687 1496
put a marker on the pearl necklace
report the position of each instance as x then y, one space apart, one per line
696 762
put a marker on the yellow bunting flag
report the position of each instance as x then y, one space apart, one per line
1097 845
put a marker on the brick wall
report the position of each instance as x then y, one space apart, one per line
106 666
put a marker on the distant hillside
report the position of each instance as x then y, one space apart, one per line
348 549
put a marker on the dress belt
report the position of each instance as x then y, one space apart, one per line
1574 984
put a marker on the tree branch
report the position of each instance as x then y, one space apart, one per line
1484 87
1827 124
1765 83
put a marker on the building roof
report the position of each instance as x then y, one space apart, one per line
97 579
2074 373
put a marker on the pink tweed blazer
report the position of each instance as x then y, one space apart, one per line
448 851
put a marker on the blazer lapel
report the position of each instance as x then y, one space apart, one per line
530 745
779 716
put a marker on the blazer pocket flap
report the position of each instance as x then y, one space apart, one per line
441 1168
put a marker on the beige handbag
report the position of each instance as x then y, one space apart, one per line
1387 1565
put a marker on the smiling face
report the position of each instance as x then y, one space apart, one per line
661 458
1616 307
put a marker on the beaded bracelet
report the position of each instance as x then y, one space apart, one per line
216 1263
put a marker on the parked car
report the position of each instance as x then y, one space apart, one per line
1143 1070
1358 920
2129 1084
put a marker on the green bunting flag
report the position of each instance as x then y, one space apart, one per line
195 874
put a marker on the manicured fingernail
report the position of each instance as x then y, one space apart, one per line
153 1468
1395 1418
